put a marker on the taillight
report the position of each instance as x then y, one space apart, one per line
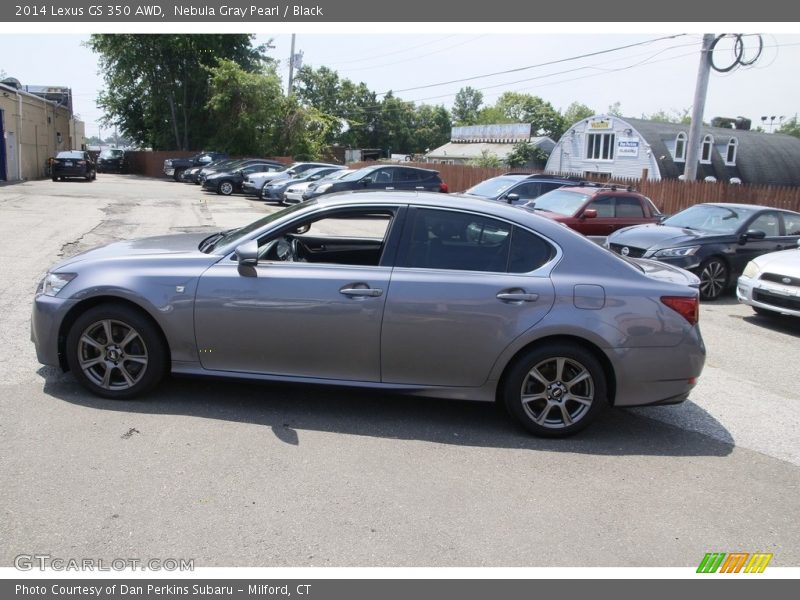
443 188
687 307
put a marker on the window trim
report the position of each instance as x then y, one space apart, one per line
610 136
733 144
708 143
681 138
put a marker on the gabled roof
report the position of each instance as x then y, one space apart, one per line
761 158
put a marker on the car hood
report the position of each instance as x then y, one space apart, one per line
785 262
665 272
179 243
648 236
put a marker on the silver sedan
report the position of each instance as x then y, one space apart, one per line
438 296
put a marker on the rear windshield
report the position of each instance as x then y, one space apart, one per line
111 154
70 154
491 188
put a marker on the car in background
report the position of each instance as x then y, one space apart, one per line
227 182
596 210
232 164
391 291
112 160
275 190
770 283
384 177
192 174
519 188
715 240
69 164
296 192
256 181
174 167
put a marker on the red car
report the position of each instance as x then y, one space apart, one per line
596 211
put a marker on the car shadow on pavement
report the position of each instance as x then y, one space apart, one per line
777 323
289 409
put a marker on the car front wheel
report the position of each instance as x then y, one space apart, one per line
225 188
556 390
116 352
713 275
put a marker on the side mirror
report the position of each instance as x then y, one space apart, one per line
247 254
512 198
364 182
752 234
589 213
302 229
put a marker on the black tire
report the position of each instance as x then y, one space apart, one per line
714 277
113 370
178 174
225 188
553 404
55 178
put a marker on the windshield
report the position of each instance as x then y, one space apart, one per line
491 188
710 218
356 175
560 202
225 238
111 154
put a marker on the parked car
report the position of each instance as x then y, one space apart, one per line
174 167
296 191
771 283
73 163
392 291
227 182
519 188
256 181
384 177
714 241
276 190
596 211
193 174
112 160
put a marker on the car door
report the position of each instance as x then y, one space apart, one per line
464 288
380 179
770 223
603 223
318 319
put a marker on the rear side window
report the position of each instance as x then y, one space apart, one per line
791 224
408 175
629 207
603 206
528 251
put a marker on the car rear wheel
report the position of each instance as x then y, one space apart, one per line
556 390
713 275
225 188
116 352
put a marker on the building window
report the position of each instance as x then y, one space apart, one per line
600 146
730 155
680 147
708 145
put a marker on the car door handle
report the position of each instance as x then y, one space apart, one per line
517 296
361 292
390 187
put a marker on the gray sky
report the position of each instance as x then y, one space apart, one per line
644 79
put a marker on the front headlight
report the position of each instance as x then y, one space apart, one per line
751 270
54 283
676 252
324 187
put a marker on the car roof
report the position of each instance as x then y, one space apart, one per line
382 166
745 206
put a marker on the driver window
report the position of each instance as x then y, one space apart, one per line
768 223
343 237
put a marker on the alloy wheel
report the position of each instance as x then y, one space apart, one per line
112 355
557 392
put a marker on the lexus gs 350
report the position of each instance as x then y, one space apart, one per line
416 292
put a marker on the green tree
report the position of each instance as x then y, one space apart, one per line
526 154
466 106
486 159
525 108
674 116
247 107
156 85
576 112
790 127
431 128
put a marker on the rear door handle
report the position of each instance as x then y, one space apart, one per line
361 292
517 296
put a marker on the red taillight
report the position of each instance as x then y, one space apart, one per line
443 188
688 308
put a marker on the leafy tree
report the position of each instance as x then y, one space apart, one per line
525 108
486 159
248 109
790 127
576 112
466 106
526 154
157 84
674 116
615 110
431 128
491 115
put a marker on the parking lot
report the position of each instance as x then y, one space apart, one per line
240 474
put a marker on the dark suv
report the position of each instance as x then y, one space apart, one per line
112 160
383 177
519 188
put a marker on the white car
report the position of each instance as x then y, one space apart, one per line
770 283
255 181
294 193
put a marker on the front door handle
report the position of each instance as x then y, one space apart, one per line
361 292
517 296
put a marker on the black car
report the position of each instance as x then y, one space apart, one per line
73 163
228 181
174 167
520 188
714 241
112 160
383 177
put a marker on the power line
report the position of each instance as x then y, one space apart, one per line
355 60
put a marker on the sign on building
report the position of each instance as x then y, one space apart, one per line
628 147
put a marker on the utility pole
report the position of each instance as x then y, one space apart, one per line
699 105
291 68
